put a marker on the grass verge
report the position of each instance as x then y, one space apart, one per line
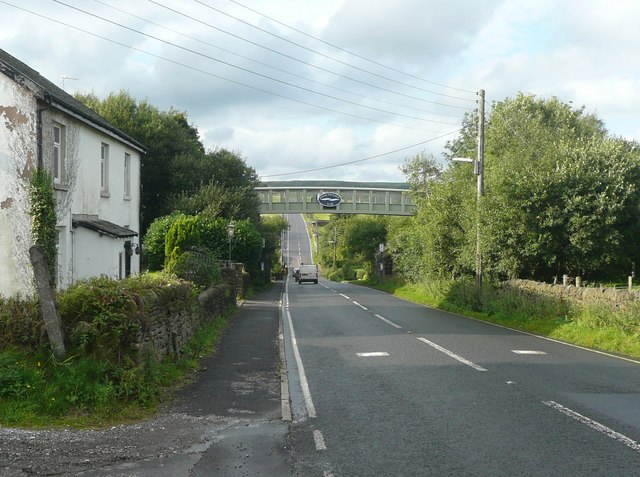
600 327
38 391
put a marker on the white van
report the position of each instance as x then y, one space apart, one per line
308 273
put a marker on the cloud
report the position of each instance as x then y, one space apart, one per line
580 51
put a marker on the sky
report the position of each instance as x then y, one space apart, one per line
335 89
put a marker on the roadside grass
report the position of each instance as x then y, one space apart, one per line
38 391
599 327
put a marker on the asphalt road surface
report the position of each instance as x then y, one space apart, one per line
383 387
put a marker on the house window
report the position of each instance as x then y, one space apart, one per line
127 176
59 153
104 169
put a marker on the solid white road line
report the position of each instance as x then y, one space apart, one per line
388 322
319 440
311 410
594 425
452 354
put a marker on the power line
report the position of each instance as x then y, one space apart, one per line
281 70
322 54
246 70
364 159
355 54
306 103
416 98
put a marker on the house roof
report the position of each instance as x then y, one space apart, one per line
17 70
102 226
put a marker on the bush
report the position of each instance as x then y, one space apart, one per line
183 235
154 241
20 322
198 266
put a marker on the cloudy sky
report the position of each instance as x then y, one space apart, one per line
296 85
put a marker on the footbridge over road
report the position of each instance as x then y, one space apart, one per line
335 197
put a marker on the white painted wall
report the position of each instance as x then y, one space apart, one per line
90 253
82 253
17 156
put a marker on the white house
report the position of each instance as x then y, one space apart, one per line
96 179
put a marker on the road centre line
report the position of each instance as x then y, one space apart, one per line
372 354
388 322
311 410
452 354
358 304
527 351
594 425
345 296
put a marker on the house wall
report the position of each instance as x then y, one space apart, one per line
84 253
81 252
17 160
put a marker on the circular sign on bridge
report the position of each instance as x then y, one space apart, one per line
329 199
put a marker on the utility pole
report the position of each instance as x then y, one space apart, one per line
479 171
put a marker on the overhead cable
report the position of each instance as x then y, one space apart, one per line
306 103
322 54
416 98
266 65
364 159
246 70
355 54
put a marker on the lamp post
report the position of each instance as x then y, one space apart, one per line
231 228
478 170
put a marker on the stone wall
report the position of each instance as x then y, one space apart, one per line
610 296
172 319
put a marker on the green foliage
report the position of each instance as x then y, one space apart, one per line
166 135
20 322
354 243
104 377
246 247
198 266
100 315
42 208
183 235
154 241
561 196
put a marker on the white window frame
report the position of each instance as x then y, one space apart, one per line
104 169
127 176
59 153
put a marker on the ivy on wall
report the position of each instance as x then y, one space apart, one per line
43 213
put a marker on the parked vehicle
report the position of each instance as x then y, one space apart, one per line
308 273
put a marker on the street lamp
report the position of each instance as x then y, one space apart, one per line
478 170
231 228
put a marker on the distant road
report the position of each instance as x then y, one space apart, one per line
383 387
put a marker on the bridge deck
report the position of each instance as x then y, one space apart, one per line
295 197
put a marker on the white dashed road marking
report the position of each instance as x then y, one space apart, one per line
388 322
319 440
527 351
452 354
372 354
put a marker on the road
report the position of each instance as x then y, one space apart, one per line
383 387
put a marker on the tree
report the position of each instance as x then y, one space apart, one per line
561 196
165 134
420 171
